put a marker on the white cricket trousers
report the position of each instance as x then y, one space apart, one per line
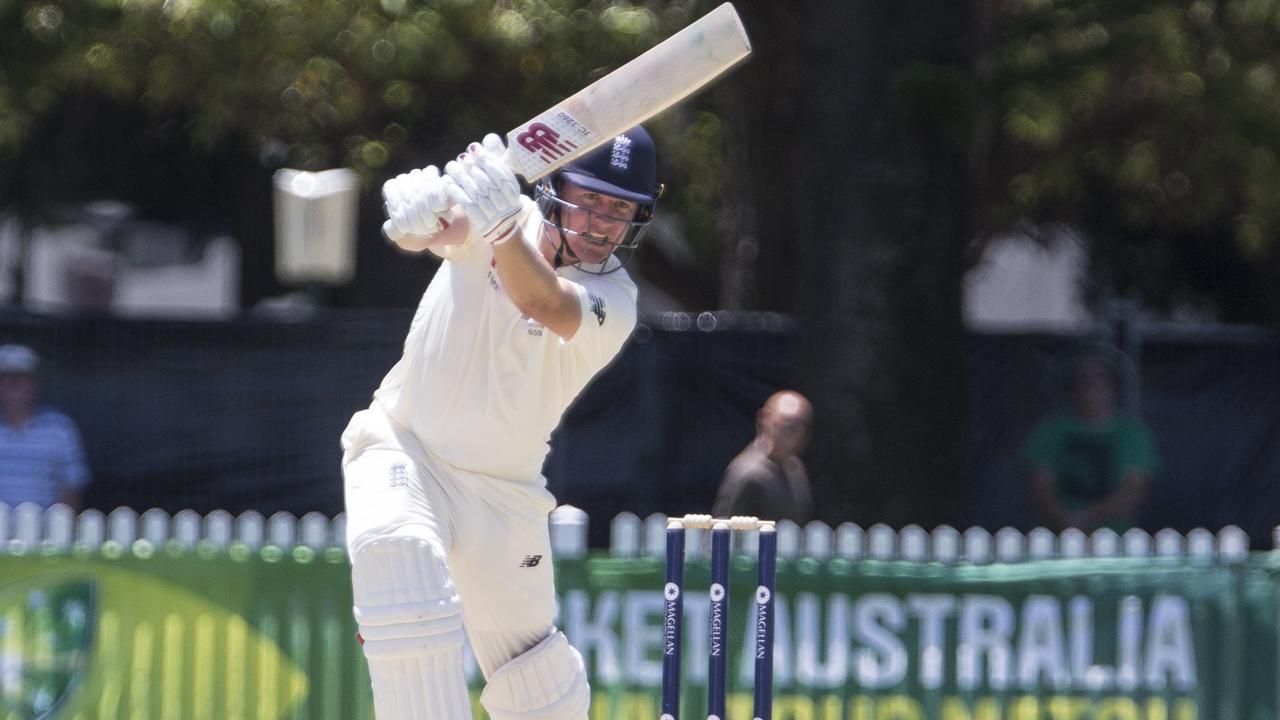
493 533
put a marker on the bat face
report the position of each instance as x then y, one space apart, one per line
664 75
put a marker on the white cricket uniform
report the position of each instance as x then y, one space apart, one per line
455 438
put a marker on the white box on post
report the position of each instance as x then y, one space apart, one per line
315 222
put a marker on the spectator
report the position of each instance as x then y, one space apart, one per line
41 459
768 479
1091 464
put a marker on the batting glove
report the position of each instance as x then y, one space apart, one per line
416 204
486 188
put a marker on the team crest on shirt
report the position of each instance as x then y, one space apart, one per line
597 306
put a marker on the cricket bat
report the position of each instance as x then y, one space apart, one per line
664 75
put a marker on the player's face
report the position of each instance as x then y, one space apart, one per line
596 222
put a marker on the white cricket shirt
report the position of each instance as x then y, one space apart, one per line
482 386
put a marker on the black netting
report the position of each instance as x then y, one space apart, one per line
246 414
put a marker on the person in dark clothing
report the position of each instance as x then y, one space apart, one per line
768 479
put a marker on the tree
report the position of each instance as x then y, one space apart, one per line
187 107
1152 125
852 149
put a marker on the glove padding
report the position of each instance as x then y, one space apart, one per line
485 187
416 203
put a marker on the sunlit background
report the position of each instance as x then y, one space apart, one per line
916 213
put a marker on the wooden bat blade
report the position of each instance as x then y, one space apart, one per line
664 75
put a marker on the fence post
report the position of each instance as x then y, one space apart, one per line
882 542
977 546
218 528
123 526
186 528
913 544
155 527
655 535
1104 542
251 529
91 529
817 540
282 530
1041 544
1137 543
946 545
313 531
1009 545
624 535
850 541
568 532
1073 544
60 524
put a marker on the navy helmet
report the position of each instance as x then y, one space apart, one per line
626 167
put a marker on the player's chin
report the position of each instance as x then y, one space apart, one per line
594 253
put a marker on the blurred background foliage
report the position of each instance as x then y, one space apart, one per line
379 87
847 175
1152 125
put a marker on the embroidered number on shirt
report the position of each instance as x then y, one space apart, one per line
399 475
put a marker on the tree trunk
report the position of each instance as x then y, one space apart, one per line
854 149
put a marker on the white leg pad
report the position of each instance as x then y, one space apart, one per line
411 627
549 682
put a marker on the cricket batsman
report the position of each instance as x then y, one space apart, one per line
446 503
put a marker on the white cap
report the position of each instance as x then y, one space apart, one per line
18 359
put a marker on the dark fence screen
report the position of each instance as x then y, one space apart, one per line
1210 397
246 414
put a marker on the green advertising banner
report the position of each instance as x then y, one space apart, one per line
1113 639
144 634
210 635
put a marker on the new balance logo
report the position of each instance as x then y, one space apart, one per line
530 561
597 307
545 142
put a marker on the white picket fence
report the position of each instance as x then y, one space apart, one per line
30 528
632 536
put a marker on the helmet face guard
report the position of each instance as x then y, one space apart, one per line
554 208
626 169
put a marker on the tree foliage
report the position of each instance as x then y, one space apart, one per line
376 86
1152 124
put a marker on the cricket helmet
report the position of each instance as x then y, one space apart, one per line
626 167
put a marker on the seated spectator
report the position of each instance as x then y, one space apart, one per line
1091 464
768 479
41 458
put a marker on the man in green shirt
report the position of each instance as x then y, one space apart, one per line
1092 465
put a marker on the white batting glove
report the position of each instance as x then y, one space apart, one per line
486 188
415 203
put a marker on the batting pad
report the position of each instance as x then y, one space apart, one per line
549 682
411 629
